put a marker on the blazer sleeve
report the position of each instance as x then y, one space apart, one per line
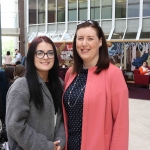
17 112
60 135
120 112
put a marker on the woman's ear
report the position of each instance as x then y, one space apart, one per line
100 42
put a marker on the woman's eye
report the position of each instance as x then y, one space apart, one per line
90 39
80 38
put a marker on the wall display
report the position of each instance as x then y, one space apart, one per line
129 55
125 55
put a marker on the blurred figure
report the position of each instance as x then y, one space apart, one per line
19 71
9 71
145 69
17 57
7 58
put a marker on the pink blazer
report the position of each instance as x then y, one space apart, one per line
105 123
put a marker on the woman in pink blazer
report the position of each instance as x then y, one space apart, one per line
95 100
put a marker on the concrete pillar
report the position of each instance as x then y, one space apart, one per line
21 26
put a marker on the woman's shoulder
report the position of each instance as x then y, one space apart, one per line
113 68
20 83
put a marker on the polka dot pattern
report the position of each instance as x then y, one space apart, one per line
75 109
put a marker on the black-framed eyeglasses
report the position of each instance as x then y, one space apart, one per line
40 54
93 22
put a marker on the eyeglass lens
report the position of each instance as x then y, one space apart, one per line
40 54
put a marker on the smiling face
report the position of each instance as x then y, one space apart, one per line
87 45
45 64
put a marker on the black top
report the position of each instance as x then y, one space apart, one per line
75 109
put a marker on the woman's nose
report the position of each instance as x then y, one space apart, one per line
84 42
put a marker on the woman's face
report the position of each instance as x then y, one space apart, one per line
144 64
87 44
43 65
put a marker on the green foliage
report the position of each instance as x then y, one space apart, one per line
7 45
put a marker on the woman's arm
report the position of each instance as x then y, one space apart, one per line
120 112
17 112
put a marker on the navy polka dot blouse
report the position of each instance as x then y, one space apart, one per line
73 102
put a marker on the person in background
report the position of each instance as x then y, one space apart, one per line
95 100
8 58
34 111
9 72
19 71
145 69
17 57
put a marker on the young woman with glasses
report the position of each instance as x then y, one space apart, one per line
34 111
95 100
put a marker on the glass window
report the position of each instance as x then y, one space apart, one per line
146 0
130 35
133 10
95 9
146 9
72 10
106 12
133 1
145 35
117 35
32 12
95 13
106 2
61 11
82 10
106 9
120 9
51 11
41 11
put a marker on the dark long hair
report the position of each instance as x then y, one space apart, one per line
8 53
32 78
103 61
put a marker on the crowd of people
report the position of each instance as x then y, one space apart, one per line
87 111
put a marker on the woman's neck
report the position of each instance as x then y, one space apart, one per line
44 76
87 65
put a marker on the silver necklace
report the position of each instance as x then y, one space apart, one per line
78 94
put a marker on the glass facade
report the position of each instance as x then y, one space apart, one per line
72 10
106 9
120 9
95 10
51 11
32 12
41 11
133 8
60 11
116 18
146 8
82 10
